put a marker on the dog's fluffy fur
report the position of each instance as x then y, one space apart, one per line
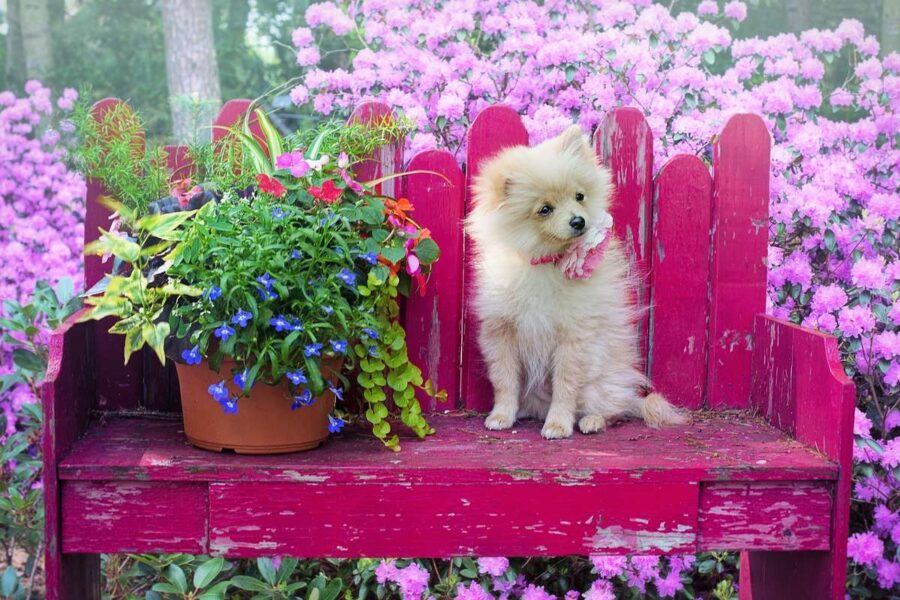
562 350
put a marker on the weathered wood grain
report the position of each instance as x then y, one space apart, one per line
738 271
433 322
388 159
623 142
494 129
748 516
713 448
67 396
679 289
516 518
134 516
799 385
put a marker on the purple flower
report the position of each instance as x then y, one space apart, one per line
297 377
304 399
278 213
192 356
609 566
474 591
296 325
338 392
347 276
865 548
213 293
335 424
241 318
312 350
224 332
338 346
240 379
370 333
267 294
373 352
280 323
296 254
370 257
218 391
495 566
229 405
266 280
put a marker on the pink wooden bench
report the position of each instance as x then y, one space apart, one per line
764 468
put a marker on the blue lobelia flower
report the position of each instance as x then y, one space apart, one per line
339 346
335 424
267 294
192 356
224 332
312 350
278 212
304 399
266 280
370 257
240 379
371 333
280 323
241 317
297 377
327 310
296 325
347 276
338 392
229 405
296 254
373 352
339 251
218 391
213 293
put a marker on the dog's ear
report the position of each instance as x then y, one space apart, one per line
574 141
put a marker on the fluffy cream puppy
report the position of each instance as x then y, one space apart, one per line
560 344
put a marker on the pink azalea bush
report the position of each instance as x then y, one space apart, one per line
41 212
835 209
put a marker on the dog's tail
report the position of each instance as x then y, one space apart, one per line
656 411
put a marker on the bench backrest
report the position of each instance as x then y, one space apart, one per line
698 240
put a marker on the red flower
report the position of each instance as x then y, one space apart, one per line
328 193
270 185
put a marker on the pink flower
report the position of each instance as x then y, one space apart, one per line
536 592
735 10
608 566
888 573
708 8
856 320
294 162
868 273
495 566
841 98
828 298
472 592
600 590
412 264
865 548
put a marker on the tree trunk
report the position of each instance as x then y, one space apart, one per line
37 46
191 68
797 15
15 54
890 27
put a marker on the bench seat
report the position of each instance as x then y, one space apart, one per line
725 481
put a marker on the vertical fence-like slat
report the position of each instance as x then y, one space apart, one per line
738 271
434 321
679 295
387 159
624 143
494 129
179 163
119 386
232 113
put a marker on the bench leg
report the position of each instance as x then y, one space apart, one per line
792 576
72 576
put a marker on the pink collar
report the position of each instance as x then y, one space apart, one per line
581 258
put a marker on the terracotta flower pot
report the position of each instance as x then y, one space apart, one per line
264 422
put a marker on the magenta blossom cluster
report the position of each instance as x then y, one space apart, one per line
835 210
42 208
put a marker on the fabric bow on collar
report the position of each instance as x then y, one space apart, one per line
580 259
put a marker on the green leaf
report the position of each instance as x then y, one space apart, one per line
571 71
709 57
29 361
427 251
163 226
176 577
249 584
257 155
394 254
9 582
155 335
168 588
829 240
109 243
216 592
208 571
273 138
267 570
332 590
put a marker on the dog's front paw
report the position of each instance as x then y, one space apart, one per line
499 420
556 430
591 424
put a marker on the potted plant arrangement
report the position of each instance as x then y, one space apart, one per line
273 285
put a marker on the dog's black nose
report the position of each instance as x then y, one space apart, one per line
577 223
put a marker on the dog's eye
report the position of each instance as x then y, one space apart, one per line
545 210
579 197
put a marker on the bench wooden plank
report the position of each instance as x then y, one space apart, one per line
715 447
516 518
132 516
